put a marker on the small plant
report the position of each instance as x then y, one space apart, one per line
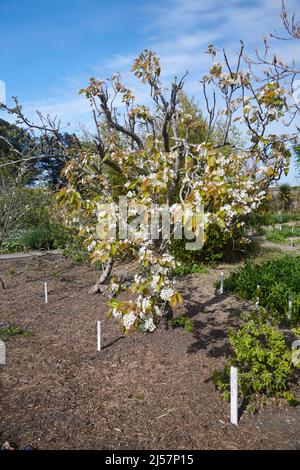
263 359
189 268
8 330
183 322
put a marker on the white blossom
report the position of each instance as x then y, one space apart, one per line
128 320
166 294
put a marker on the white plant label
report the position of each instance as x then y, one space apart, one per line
46 293
234 417
98 335
290 309
296 353
2 353
222 283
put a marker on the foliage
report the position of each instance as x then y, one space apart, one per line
284 196
278 280
50 166
8 330
15 140
284 235
271 218
263 359
183 322
258 220
189 268
35 238
12 208
39 226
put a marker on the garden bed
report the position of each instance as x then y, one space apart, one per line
146 391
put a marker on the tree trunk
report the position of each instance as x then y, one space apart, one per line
168 316
99 287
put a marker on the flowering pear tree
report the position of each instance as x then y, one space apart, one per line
144 158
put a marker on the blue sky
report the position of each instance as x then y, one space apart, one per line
49 49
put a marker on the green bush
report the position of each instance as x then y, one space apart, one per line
263 359
217 247
36 238
279 281
257 220
39 226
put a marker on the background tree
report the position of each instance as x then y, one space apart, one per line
16 142
284 196
30 160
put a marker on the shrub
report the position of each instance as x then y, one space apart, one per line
36 238
263 359
279 281
39 224
217 247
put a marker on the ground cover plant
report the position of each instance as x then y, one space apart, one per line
284 235
275 282
8 330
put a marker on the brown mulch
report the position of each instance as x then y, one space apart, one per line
145 391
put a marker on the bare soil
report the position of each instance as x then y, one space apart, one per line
145 391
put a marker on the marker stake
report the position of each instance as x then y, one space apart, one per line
257 298
290 309
98 335
46 293
222 283
2 353
234 416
